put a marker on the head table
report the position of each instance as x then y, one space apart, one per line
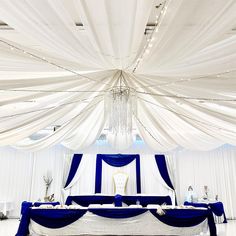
107 219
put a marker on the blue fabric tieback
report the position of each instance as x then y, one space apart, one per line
118 200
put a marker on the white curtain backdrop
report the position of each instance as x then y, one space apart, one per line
85 176
216 169
21 173
151 180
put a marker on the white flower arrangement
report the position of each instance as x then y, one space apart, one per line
47 180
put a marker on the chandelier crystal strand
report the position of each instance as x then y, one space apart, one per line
120 110
120 106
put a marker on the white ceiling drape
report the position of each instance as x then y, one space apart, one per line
62 57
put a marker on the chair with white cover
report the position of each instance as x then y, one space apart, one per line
120 181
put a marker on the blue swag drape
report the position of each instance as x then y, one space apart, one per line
217 208
57 218
162 167
116 160
73 168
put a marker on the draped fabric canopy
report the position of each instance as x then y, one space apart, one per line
59 58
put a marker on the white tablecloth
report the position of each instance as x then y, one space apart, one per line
144 224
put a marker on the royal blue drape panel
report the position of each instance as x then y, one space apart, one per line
162 167
26 215
117 160
73 168
218 209
161 164
25 206
23 229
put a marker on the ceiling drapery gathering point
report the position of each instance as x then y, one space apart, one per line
178 59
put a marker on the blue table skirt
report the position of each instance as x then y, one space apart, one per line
57 218
216 207
86 200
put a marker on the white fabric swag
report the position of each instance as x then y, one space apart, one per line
185 85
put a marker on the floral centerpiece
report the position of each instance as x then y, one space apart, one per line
48 180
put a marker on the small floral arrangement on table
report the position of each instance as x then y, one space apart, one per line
48 180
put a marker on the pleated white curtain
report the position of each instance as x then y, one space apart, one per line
216 169
152 182
21 173
84 181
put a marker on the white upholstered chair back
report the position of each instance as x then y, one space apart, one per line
120 181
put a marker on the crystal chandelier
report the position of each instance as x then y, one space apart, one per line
121 103
120 109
